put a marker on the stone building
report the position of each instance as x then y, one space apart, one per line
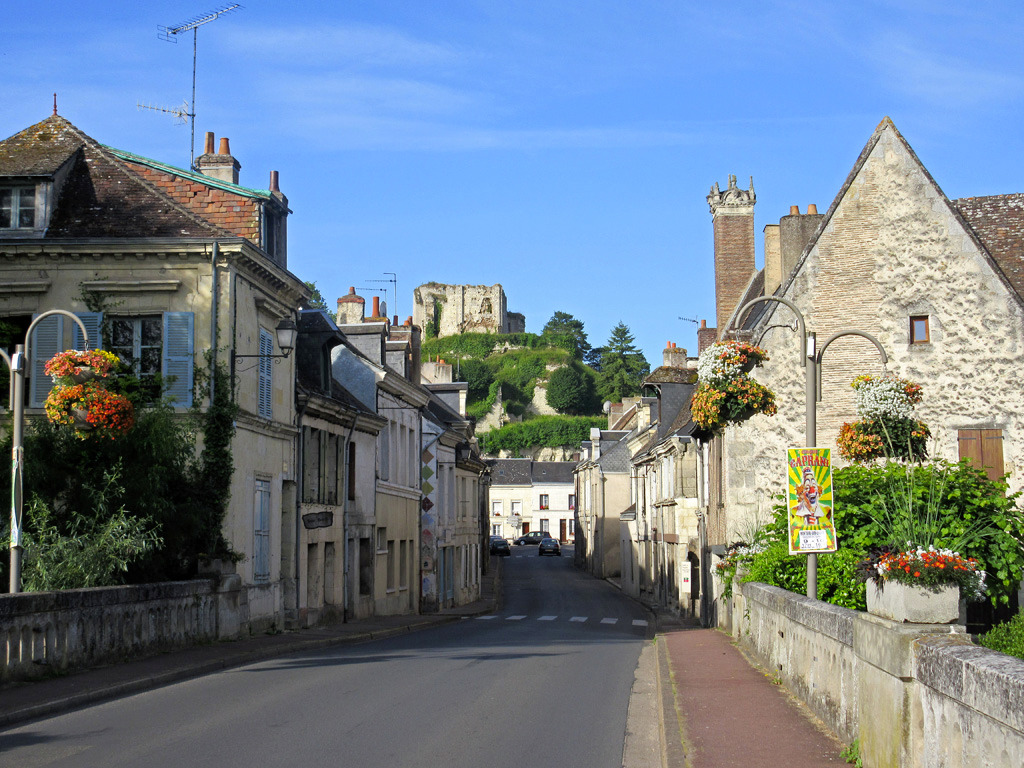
939 283
448 310
527 495
173 270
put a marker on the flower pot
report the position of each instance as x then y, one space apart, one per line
85 373
914 604
81 417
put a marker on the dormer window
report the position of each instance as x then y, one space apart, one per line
17 207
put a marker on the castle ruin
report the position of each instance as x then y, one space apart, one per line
448 310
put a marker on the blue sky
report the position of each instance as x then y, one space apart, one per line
561 148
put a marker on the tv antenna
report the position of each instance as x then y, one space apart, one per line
170 35
181 113
393 281
689 320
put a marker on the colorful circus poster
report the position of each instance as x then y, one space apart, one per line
811 525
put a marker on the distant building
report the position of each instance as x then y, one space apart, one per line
527 495
448 310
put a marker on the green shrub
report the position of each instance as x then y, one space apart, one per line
1007 637
571 391
547 431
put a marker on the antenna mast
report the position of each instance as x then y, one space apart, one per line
170 35
394 286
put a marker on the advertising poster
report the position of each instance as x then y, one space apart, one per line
811 525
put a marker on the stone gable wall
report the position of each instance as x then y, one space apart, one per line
892 249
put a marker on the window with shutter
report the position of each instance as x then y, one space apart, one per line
178 357
93 322
261 532
266 383
47 340
983 448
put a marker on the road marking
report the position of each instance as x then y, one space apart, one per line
609 621
485 618
514 618
578 618
547 618
639 623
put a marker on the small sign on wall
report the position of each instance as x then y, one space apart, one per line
812 527
685 577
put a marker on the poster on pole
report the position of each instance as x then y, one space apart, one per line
812 527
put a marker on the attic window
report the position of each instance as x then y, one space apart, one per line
919 329
17 207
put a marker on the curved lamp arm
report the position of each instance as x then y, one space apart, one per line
28 333
838 334
799 320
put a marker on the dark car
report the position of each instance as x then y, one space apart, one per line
500 547
549 547
533 537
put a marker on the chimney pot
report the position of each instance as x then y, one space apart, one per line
408 320
208 147
396 320
812 209
376 306
794 210
274 182
225 148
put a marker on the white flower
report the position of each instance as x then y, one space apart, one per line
883 397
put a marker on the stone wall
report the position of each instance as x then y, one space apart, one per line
912 694
456 309
46 633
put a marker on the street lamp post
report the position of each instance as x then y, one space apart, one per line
811 360
18 364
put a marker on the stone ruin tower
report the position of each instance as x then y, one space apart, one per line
455 309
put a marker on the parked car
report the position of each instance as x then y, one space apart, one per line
500 547
533 537
549 547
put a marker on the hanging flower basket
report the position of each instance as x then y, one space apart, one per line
725 393
106 414
885 405
74 367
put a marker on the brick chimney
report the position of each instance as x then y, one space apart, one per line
705 336
221 165
673 356
732 214
351 308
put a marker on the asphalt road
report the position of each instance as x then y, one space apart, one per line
543 682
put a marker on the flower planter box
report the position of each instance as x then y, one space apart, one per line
914 605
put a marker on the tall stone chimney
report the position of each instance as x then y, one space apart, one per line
772 259
351 308
795 232
221 165
732 214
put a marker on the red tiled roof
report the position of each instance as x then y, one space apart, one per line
998 221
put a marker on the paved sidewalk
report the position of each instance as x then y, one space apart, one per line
720 710
20 702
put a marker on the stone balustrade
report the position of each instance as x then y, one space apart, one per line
912 694
53 632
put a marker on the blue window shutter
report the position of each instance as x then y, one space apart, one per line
178 357
47 340
93 322
266 384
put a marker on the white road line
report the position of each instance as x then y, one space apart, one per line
514 618
639 622
578 618
609 621
547 618
486 618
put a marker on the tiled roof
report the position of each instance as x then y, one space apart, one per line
510 471
553 471
998 221
39 150
101 196
668 374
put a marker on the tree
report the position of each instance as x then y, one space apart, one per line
623 366
571 391
567 332
316 301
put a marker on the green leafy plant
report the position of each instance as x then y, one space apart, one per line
1007 637
548 431
84 548
571 390
851 754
